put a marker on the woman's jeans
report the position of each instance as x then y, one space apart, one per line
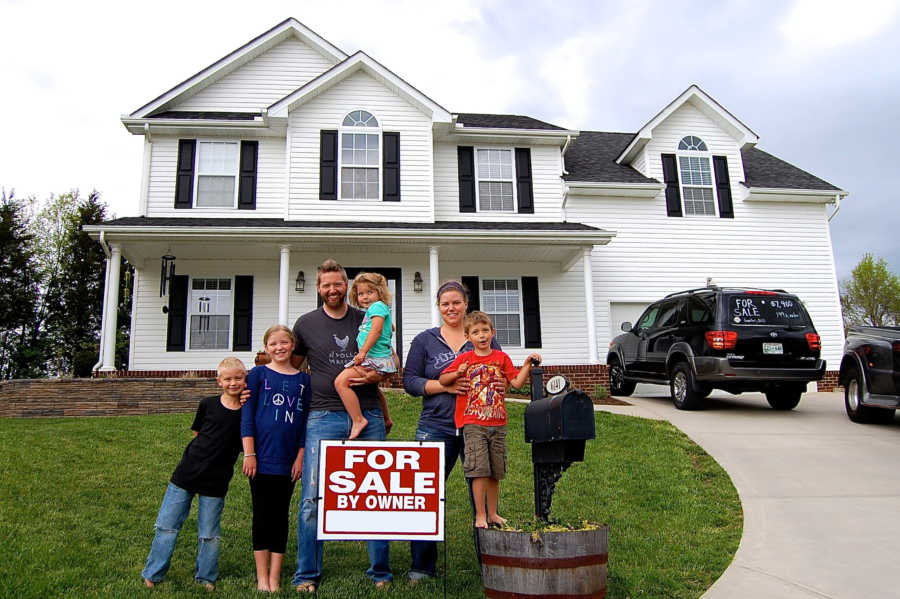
174 510
425 553
326 424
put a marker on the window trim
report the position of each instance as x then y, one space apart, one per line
708 155
197 174
189 313
513 179
379 130
521 312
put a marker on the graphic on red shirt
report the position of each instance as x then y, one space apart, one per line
482 404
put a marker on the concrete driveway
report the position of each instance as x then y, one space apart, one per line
821 494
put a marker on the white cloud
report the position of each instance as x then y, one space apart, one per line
813 26
580 67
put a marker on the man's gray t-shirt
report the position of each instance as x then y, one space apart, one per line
329 343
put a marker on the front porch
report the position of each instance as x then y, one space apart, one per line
278 260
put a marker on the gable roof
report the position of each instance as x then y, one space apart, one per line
228 63
358 61
503 121
592 158
763 170
703 102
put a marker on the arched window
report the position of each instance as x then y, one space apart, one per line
360 156
691 142
695 176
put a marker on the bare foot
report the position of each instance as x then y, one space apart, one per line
480 523
149 583
497 520
262 586
357 428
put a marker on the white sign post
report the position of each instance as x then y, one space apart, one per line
381 490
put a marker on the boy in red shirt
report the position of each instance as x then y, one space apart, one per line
482 415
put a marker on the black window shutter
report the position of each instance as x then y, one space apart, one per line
391 167
524 189
247 185
184 177
466 158
328 165
723 186
670 177
176 329
243 314
531 308
471 284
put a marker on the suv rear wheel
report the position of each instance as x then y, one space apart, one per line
683 387
784 397
617 383
854 395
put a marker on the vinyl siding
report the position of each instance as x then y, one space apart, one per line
262 81
327 111
545 176
148 329
269 182
149 325
563 323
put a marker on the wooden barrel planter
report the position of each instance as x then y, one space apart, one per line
559 565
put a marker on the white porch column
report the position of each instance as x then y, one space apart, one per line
593 356
433 282
111 308
284 277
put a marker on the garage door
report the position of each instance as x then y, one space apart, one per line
620 312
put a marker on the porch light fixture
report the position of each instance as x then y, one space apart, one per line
417 282
300 285
166 273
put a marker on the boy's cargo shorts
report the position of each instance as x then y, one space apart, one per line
485 448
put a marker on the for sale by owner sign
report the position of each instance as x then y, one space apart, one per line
381 490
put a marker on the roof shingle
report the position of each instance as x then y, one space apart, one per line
503 121
592 158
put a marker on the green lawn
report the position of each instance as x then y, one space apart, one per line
78 498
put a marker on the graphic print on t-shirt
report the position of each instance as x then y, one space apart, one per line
285 400
483 402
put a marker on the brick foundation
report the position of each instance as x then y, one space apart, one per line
123 393
582 376
102 396
829 382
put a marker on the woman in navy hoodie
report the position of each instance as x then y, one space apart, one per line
430 353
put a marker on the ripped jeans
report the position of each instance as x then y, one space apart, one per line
324 424
174 510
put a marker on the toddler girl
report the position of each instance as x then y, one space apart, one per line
370 292
273 433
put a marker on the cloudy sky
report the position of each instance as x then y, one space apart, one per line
818 81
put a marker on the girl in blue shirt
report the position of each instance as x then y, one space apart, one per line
273 433
369 291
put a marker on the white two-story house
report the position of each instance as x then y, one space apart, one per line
288 151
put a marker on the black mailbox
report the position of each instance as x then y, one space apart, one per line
557 427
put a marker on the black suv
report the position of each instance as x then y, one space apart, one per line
734 339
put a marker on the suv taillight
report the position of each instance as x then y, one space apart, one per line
721 339
813 340
897 347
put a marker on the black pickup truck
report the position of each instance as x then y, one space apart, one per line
870 373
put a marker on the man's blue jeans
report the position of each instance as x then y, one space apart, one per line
324 424
425 553
175 506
